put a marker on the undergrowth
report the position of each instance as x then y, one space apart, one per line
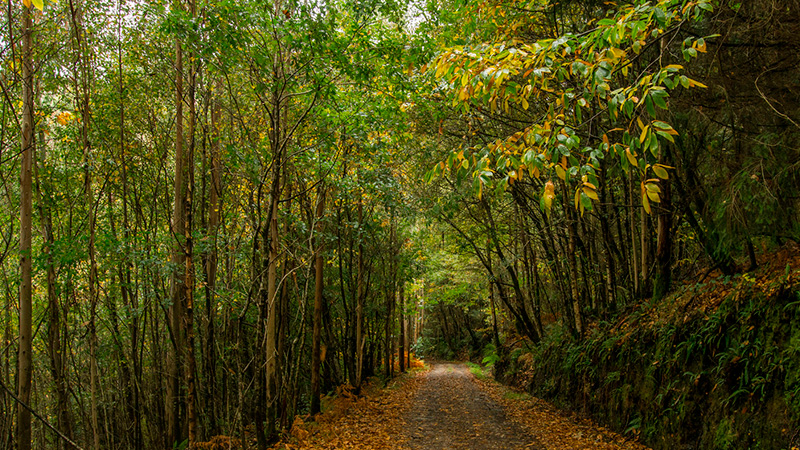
711 368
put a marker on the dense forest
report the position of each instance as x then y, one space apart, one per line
216 212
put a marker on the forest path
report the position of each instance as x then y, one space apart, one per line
446 407
450 411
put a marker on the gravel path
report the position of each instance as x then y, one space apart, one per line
450 411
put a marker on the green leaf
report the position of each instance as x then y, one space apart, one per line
666 136
586 202
648 103
659 100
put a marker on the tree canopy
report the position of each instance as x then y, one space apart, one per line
215 212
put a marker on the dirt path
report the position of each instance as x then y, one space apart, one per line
446 407
450 411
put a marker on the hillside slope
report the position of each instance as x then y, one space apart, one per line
714 366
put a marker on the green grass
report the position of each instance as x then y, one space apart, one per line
511 395
477 371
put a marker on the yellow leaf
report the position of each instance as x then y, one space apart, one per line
645 203
693 83
561 172
64 118
650 187
661 172
591 193
618 53
643 136
631 158
440 70
701 46
653 196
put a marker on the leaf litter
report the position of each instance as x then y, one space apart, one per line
445 407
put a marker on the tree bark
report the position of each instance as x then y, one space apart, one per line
174 401
663 281
402 340
83 79
190 366
212 261
25 361
360 299
319 267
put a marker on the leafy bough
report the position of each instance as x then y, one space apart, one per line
590 103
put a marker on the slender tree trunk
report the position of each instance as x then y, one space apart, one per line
495 332
272 305
54 341
214 213
190 366
360 298
318 285
663 279
129 298
389 347
634 266
573 264
402 342
82 90
174 400
644 244
24 361
520 312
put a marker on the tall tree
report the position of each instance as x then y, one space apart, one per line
175 402
319 273
25 357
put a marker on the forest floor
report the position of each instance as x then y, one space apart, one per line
444 406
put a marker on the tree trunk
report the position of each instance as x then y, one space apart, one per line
24 361
214 213
632 228
573 264
190 366
129 298
644 244
318 280
82 95
360 299
402 342
663 279
271 354
174 401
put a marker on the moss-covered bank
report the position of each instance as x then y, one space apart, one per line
716 366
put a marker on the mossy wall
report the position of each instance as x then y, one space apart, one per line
726 377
